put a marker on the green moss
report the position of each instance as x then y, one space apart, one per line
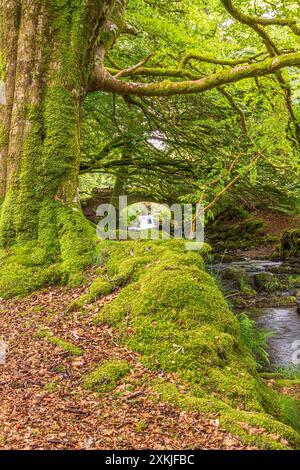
172 312
2 65
65 247
51 387
42 203
236 231
98 289
3 136
290 243
104 378
267 282
77 244
70 348
22 271
257 429
293 281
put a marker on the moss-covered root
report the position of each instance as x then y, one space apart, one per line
66 346
255 429
65 247
104 378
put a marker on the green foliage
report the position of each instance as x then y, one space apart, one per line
291 411
104 378
267 282
204 141
255 339
235 228
290 373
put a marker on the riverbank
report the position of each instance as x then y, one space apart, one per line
267 291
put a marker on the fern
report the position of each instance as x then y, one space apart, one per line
255 339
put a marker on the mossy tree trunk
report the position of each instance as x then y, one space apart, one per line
47 50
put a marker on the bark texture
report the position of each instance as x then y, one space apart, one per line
47 52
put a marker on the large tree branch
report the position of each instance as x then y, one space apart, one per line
180 72
103 81
250 20
231 183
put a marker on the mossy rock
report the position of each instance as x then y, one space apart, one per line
266 282
240 280
237 233
290 243
104 378
98 289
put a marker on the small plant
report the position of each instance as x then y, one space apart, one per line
290 411
142 425
254 339
51 387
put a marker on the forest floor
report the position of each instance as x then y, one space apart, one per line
43 403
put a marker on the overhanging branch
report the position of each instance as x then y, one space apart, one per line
104 81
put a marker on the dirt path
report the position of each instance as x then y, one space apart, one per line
42 403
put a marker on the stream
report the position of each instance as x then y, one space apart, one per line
283 322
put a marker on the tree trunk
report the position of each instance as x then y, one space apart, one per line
47 50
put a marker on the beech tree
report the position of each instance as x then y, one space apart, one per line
53 53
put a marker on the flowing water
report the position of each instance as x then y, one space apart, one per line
282 322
